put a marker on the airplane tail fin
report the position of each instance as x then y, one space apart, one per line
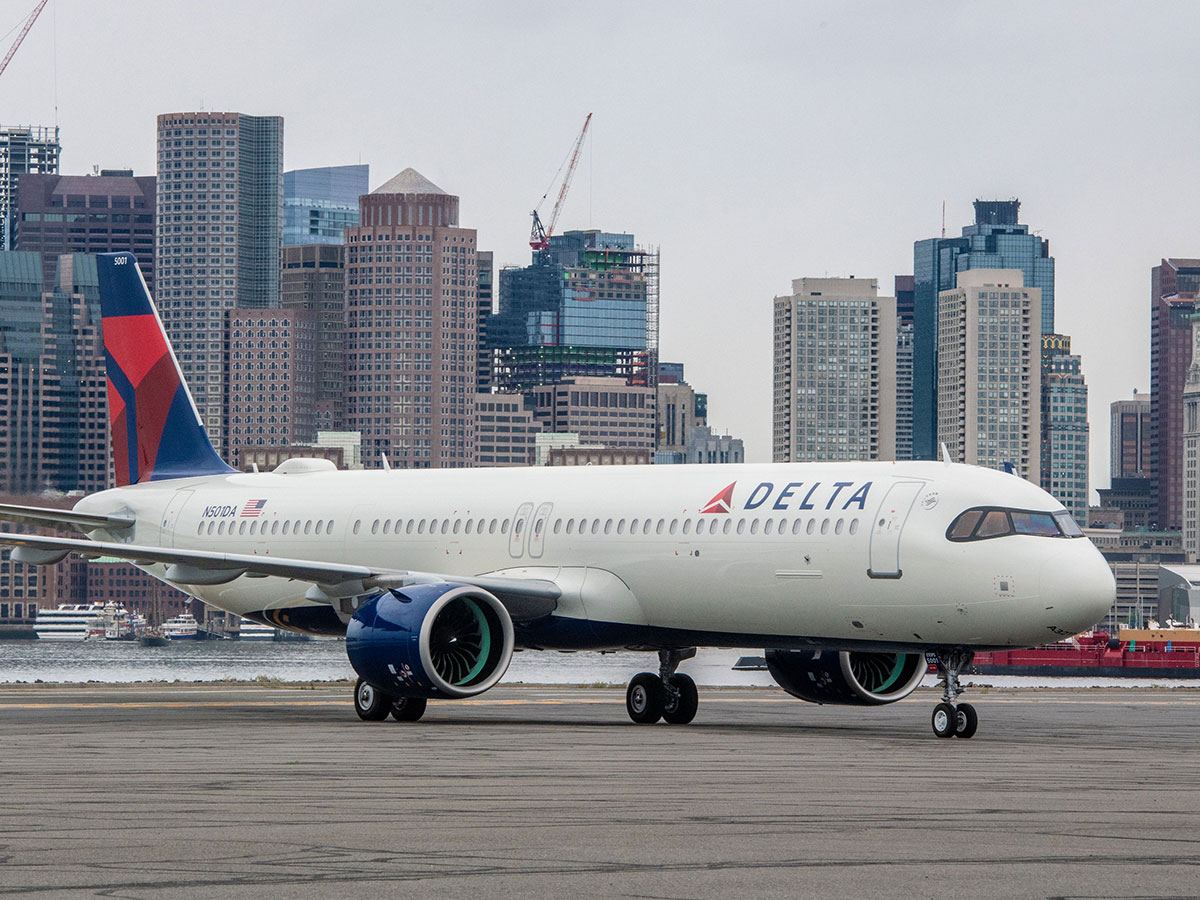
156 428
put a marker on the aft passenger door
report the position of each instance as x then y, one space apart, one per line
889 522
171 515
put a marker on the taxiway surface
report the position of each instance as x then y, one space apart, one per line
253 792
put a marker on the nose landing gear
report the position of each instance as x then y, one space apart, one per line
669 695
951 718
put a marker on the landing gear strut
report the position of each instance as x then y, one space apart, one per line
373 705
669 695
951 718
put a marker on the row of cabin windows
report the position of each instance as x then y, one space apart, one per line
780 526
276 526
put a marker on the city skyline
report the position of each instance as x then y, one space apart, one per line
797 129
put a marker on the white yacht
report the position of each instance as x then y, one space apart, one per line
182 627
68 622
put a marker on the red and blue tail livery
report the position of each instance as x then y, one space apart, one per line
156 430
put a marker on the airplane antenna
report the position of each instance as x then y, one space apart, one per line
945 453
387 466
943 218
254 468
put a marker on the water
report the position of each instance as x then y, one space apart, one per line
124 662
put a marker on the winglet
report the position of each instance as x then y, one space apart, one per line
156 429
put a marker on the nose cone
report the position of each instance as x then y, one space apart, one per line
1080 587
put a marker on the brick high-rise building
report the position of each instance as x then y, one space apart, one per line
104 213
272 379
411 326
219 229
314 279
608 412
1173 288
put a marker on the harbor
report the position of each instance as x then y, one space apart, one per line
256 792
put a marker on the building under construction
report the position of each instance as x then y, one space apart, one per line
586 306
24 150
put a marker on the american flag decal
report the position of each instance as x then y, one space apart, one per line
253 508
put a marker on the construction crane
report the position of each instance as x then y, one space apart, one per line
539 237
37 11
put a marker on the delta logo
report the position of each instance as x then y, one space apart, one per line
849 492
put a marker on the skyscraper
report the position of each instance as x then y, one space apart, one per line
219 224
996 241
1174 284
320 204
989 410
905 294
411 324
835 371
1129 434
1064 426
104 213
24 150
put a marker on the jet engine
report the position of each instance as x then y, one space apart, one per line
431 640
846 678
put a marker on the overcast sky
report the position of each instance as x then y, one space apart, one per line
754 142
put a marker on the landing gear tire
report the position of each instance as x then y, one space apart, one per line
966 721
682 701
408 709
371 704
944 721
644 699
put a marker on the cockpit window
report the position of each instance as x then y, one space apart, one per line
982 523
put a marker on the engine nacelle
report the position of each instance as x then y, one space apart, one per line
431 640
846 677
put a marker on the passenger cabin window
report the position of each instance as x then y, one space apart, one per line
983 523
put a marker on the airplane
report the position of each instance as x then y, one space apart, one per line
855 576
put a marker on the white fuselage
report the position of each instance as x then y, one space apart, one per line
846 553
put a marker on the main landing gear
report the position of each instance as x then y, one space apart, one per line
669 695
951 718
373 705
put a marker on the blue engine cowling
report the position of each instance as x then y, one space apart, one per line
431 640
848 678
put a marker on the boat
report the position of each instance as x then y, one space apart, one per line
69 622
153 637
1172 652
249 630
182 627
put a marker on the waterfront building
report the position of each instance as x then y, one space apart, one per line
834 371
1064 426
272 379
411 326
1174 284
1129 434
705 447
219 228
105 213
24 150
989 404
996 241
314 279
320 204
1134 498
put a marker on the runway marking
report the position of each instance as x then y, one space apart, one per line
582 701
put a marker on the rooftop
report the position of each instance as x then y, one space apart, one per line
410 181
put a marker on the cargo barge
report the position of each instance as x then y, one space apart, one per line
1134 653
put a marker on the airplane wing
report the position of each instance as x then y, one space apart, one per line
62 518
524 598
